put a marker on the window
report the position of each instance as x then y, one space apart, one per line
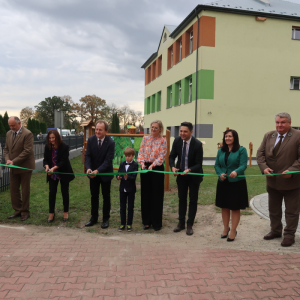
179 94
171 96
171 57
296 33
295 83
191 41
159 65
165 37
180 50
190 89
176 133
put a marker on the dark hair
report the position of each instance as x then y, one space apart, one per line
129 151
189 125
102 122
236 144
58 139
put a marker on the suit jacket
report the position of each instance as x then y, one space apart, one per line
195 157
63 162
287 158
102 159
129 183
20 151
237 161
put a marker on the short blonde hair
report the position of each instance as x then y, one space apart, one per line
129 151
160 125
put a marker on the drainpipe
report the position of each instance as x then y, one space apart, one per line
196 74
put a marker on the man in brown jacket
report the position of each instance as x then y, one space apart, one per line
18 151
279 152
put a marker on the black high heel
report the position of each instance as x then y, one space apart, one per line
51 221
225 236
231 240
66 219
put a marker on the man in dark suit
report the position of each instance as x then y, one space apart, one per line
127 187
279 152
18 151
99 156
189 154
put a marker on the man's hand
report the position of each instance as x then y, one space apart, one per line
268 171
9 162
125 177
174 170
186 171
223 177
287 175
93 172
233 174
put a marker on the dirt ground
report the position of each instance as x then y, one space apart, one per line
206 235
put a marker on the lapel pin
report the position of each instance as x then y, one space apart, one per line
290 134
273 135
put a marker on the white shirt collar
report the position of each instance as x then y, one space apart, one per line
278 135
19 130
100 140
188 142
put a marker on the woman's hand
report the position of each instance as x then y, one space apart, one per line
222 177
233 174
142 166
150 167
46 168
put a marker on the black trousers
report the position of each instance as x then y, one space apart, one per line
95 190
184 184
123 203
64 186
152 197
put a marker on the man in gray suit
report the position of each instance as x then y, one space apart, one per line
279 152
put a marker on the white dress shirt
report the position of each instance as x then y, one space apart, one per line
278 138
186 152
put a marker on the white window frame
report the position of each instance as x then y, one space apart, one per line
190 89
191 41
294 33
179 94
292 87
180 50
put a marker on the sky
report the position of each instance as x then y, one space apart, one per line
80 47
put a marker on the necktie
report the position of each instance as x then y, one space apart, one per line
99 144
183 157
276 148
14 136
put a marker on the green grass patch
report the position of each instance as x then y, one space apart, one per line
80 206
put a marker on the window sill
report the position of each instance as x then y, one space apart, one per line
295 39
294 90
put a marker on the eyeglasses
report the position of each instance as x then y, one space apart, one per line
155 128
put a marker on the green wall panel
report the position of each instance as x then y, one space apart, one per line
158 101
205 84
194 87
148 105
185 90
152 103
168 96
175 91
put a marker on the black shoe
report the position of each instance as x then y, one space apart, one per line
51 221
105 224
225 236
157 229
231 240
189 230
179 227
91 222
146 227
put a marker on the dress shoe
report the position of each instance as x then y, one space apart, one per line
157 229
52 220
189 230
24 218
91 222
272 235
231 240
179 227
146 227
105 224
287 242
13 216
225 236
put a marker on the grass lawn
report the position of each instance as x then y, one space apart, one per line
80 207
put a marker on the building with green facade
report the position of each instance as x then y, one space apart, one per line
230 63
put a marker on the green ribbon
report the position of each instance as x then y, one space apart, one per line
146 171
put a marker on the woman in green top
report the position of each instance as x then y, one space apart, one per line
232 195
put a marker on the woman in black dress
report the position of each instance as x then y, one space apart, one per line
56 157
232 195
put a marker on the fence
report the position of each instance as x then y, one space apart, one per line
74 142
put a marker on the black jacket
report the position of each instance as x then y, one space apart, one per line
63 161
129 183
101 160
195 157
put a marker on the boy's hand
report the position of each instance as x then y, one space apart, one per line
119 177
125 177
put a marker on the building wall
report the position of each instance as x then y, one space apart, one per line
252 63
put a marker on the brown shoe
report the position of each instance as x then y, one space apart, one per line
13 216
179 227
287 242
272 235
189 230
24 218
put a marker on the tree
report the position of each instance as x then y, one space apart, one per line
43 127
37 127
5 121
26 113
91 107
45 109
2 129
29 125
115 128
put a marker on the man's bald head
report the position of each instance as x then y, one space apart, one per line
14 123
